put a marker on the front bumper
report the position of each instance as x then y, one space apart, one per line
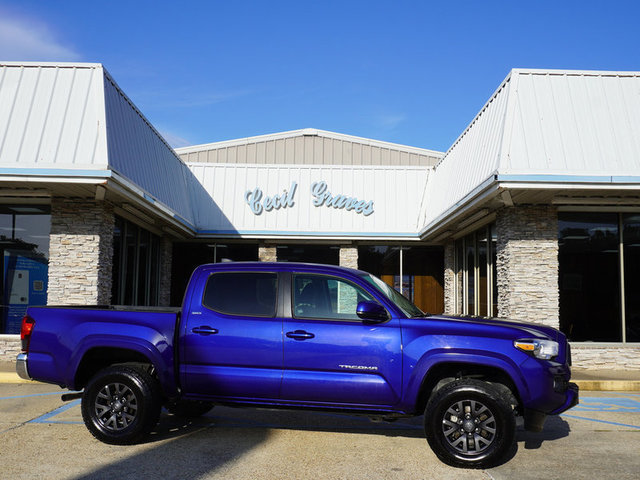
572 399
21 366
534 419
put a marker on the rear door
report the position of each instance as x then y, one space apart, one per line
232 339
330 355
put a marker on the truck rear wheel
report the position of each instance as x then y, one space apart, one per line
470 423
121 404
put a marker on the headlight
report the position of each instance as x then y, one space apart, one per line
544 349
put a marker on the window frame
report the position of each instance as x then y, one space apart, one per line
242 315
329 319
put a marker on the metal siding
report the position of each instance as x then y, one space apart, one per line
469 162
138 153
303 148
575 124
390 188
52 117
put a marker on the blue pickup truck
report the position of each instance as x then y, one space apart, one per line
292 335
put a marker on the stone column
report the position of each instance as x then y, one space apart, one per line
349 257
166 258
527 263
449 279
267 254
80 252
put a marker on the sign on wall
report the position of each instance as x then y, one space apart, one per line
321 196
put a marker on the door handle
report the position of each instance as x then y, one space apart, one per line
300 335
204 330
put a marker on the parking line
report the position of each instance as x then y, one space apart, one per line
600 421
607 404
34 395
46 418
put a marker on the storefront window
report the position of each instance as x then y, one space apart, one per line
631 233
589 281
24 241
416 272
475 273
136 260
327 254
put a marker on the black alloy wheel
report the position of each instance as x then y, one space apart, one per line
470 423
121 404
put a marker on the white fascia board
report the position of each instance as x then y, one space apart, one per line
59 175
141 198
498 183
51 64
311 236
481 193
308 132
577 73
307 166
544 181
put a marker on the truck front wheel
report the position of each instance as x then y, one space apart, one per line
121 404
470 423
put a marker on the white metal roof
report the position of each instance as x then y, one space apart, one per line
539 127
72 121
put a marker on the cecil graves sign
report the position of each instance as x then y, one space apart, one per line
258 202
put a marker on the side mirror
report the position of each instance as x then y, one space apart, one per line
372 311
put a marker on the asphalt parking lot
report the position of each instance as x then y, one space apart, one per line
43 437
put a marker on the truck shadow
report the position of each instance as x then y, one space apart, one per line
555 428
254 418
205 446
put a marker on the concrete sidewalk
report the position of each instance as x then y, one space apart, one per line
587 380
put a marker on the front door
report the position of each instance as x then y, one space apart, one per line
331 355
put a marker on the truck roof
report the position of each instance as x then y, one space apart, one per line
281 267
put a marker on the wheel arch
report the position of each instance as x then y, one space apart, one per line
98 358
444 372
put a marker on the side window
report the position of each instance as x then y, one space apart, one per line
324 297
242 293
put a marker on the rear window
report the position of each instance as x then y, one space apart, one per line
242 293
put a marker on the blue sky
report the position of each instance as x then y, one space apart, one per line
414 73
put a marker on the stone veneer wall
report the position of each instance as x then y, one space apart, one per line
267 254
349 257
605 357
527 263
80 252
449 279
10 347
166 258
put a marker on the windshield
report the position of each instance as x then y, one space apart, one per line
409 309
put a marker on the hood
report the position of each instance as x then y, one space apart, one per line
530 329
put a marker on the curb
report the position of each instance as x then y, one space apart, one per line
8 377
608 385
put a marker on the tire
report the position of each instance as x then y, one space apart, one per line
470 423
189 408
121 405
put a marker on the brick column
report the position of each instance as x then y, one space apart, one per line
349 257
166 257
449 279
527 263
267 254
80 252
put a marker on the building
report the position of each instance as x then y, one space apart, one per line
533 213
